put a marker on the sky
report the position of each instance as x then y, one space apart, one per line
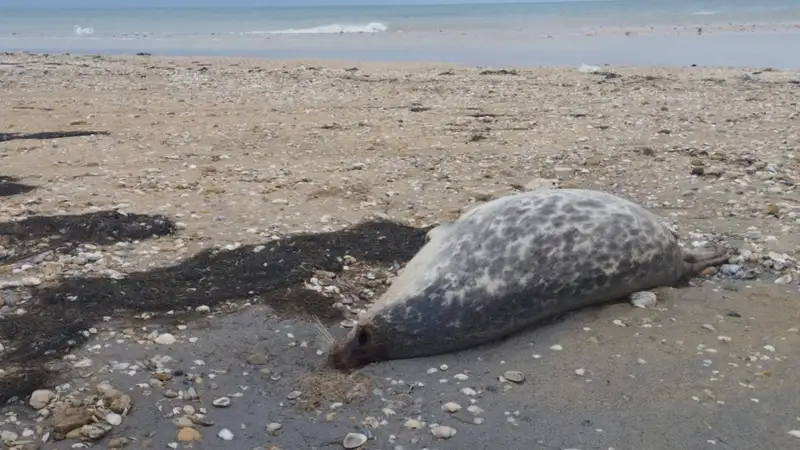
38 4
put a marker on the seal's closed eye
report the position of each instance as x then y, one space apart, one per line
363 338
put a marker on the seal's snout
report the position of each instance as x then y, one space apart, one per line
359 348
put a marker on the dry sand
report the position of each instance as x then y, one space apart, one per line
241 153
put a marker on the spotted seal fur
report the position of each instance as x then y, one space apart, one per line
515 261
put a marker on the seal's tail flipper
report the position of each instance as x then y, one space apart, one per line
696 262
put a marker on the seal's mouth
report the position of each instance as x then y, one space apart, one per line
359 348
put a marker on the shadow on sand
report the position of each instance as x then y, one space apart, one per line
273 273
9 186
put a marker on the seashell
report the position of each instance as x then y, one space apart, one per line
643 299
354 440
514 376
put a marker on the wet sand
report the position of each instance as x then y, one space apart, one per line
240 155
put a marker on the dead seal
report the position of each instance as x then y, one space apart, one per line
512 262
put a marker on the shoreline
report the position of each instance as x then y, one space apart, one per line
745 45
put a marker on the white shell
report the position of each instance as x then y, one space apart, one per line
222 402
514 376
643 299
354 440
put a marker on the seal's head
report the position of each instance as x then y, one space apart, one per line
361 346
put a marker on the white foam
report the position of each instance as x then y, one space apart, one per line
704 13
372 27
80 31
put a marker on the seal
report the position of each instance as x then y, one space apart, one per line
515 261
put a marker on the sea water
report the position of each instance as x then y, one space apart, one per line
627 32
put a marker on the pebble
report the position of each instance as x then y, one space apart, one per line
294 394
225 434
795 433
188 434
118 443
413 424
273 428
8 436
443 432
469 391
257 359
40 398
165 339
113 418
183 422
451 407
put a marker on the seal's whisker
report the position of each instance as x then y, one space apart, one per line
326 335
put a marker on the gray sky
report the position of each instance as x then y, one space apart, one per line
230 3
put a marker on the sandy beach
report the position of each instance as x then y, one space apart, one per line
150 242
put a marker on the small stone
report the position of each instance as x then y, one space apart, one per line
94 431
68 419
354 440
113 418
541 183
475 409
222 402
225 434
118 443
171 393
413 424
556 348
183 422
443 432
514 376
121 404
451 407
274 428
785 279
795 433
40 398
773 210
189 434
294 394
257 359
31 281
8 436
165 339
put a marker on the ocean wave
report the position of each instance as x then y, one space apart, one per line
372 27
704 13
80 31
